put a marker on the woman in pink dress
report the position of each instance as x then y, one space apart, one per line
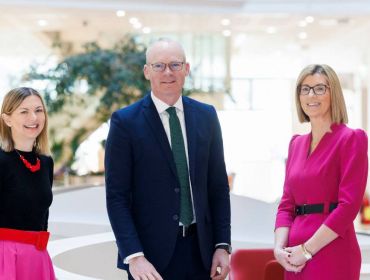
325 180
26 177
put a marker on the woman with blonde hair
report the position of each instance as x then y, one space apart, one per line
26 177
325 180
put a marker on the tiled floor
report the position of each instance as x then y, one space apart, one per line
83 248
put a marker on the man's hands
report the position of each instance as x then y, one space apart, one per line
141 269
220 265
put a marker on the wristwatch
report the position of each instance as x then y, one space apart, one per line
225 247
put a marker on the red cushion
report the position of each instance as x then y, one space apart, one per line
249 263
274 271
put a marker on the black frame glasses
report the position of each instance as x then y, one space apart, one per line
173 65
319 89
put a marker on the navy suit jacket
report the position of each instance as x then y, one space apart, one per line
142 189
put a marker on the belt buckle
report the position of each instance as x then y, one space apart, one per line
42 240
184 230
304 210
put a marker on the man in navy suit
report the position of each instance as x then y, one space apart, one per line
167 189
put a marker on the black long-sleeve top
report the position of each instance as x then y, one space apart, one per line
25 196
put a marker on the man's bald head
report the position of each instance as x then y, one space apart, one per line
162 45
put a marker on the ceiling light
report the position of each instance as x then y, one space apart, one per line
133 20
225 22
42 22
120 13
226 33
146 30
310 19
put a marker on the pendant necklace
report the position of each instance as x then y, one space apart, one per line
32 168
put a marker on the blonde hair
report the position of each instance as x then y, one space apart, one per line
11 102
337 104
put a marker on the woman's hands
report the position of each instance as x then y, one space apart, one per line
297 255
291 258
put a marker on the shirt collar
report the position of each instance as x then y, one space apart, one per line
162 106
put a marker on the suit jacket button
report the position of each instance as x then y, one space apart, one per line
177 190
175 217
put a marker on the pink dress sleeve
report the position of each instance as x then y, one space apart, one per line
285 214
352 183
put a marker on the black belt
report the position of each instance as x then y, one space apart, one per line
185 231
313 208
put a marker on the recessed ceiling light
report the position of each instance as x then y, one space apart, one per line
225 22
226 33
42 22
133 20
120 13
310 19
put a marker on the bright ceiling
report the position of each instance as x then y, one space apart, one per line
255 26
79 21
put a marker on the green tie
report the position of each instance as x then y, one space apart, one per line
178 151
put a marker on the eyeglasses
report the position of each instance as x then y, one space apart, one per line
174 66
317 90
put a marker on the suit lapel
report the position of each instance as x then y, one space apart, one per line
191 133
155 123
